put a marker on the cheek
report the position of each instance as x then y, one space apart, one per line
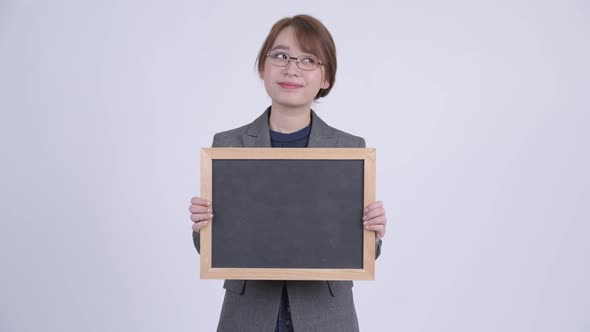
266 78
320 75
316 80
270 73
269 86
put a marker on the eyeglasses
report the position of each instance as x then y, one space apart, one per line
304 62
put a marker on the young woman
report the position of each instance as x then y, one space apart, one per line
297 63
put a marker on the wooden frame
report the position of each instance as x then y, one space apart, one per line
210 154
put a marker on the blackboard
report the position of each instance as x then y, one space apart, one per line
287 213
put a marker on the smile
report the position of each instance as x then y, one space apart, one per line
289 85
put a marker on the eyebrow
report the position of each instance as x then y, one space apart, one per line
287 48
281 47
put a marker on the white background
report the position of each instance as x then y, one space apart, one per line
479 112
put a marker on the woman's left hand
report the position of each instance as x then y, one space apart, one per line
374 219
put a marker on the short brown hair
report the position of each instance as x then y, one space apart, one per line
313 37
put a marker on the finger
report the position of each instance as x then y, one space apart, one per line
381 220
374 213
199 225
379 235
196 217
373 205
376 228
200 201
199 209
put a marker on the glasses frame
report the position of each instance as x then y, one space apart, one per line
297 63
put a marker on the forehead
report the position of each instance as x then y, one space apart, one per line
291 40
286 39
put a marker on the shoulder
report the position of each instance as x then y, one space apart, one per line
343 139
347 139
230 137
235 137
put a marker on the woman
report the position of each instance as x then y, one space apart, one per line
297 63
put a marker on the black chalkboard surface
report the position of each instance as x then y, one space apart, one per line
287 213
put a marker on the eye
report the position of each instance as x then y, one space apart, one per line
309 60
279 55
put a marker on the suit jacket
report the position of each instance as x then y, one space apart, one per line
253 305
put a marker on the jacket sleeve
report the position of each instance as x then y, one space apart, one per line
378 248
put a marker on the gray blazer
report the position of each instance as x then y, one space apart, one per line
253 305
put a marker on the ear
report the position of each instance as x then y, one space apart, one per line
261 75
325 85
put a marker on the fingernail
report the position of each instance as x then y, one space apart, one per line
211 215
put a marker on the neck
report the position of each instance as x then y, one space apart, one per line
289 119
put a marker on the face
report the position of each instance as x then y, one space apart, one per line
290 86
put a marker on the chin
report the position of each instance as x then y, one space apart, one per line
291 102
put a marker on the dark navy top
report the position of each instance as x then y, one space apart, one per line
298 139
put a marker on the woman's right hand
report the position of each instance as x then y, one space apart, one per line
201 213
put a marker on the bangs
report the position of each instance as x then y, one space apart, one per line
309 40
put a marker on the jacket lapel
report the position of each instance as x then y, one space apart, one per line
258 133
321 135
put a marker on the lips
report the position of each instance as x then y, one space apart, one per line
289 85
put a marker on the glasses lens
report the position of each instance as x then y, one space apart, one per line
307 62
278 58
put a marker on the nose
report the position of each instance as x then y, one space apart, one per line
291 68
